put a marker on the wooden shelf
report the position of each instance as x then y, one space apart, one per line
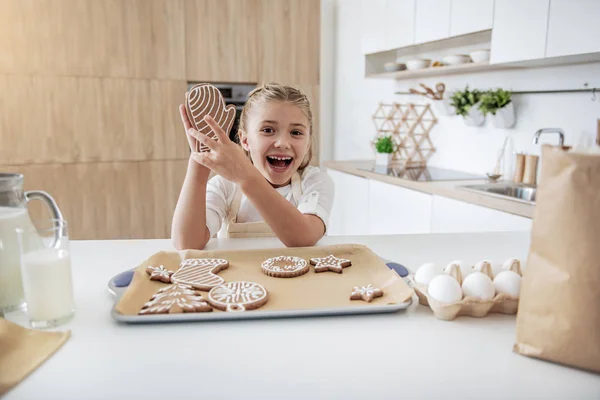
437 71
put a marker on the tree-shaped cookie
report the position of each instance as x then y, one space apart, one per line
205 99
175 298
330 263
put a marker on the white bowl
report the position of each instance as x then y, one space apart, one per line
394 66
419 63
480 55
456 59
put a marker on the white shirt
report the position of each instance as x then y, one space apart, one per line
317 199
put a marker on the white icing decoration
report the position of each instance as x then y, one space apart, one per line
160 271
238 293
290 264
329 262
175 295
198 272
366 290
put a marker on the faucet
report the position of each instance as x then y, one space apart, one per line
561 135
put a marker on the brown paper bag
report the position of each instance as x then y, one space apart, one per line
23 350
559 311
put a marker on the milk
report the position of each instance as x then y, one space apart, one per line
11 290
47 284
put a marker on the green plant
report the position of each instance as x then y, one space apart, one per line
384 144
493 100
462 101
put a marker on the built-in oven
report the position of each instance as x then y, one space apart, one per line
235 94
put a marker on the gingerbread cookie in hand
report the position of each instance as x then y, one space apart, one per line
205 99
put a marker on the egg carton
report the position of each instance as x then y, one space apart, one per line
470 306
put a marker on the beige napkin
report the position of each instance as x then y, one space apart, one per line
23 350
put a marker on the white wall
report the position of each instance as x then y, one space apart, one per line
471 149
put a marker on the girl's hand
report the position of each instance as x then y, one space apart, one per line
187 126
225 158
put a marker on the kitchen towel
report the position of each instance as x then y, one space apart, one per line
22 350
559 310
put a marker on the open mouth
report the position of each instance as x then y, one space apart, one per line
279 163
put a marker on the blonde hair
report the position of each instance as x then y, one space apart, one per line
274 92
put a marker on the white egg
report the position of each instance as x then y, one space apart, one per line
478 285
465 268
444 289
426 272
508 282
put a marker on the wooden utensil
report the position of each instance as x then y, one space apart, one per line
441 89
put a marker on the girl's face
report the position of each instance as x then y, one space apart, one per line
278 139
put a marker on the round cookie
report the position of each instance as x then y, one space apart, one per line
238 296
285 266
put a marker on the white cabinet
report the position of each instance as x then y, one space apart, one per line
432 20
573 27
349 214
467 16
519 30
397 210
399 23
373 30
449 215
387 24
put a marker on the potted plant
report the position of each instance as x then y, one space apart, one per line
498 104
385 149
464 101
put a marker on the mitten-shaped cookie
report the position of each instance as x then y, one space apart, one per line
205 99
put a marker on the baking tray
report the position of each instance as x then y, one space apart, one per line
120 283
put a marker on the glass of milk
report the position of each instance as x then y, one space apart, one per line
46 273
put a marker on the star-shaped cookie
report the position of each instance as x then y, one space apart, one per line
330 263
159 273
366 293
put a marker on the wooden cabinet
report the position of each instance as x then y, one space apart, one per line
349 215
48 119
573 27
432 20
222 40
519 30
288 41
133 38
109 200
467 16
397 210
449 215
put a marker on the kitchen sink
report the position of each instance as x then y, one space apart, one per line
512 191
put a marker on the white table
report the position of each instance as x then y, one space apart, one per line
409 354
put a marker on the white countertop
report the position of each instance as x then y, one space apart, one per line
409 354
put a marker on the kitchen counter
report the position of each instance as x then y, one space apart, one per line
441 188
409 354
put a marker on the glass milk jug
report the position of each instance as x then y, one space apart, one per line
13 215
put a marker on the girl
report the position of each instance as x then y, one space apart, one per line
263 188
